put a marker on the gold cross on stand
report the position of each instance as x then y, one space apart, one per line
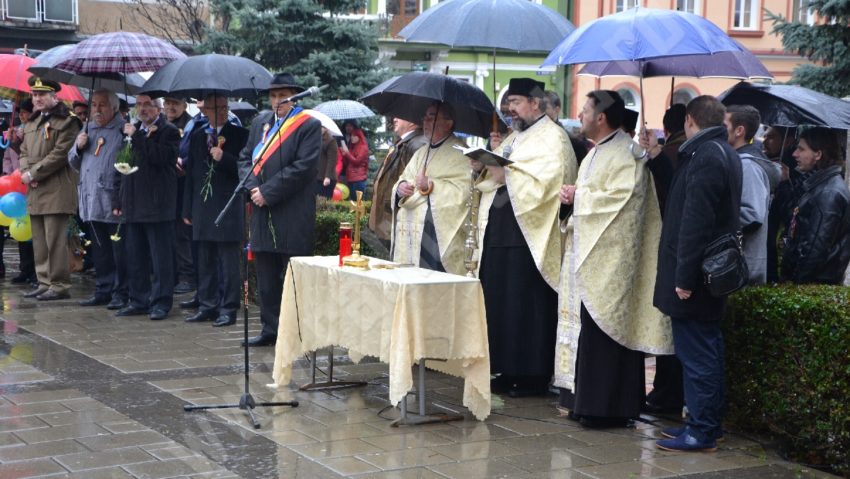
355 260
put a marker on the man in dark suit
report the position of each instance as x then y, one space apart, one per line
211 177
280 161
703 204
149 206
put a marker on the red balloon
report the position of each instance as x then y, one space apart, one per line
16 175
18 186
7 185
337 196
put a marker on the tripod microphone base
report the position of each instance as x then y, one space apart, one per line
246 403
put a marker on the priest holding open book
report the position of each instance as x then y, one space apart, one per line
430 198
521 244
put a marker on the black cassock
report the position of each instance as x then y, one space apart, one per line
522 309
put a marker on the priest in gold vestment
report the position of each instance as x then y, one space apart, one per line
606 318
521 242
431 196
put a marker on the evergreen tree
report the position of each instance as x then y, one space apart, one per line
304 37
826 43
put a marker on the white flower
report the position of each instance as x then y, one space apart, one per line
126 169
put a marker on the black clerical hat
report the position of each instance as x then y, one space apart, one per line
630 118
526 87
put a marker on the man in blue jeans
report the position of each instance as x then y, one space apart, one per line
702 205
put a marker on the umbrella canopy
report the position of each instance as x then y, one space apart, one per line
243 110
327 122
118 52
199 76
641 34
790 105
14 76
741 65
409 95
344 109
517 25
45 67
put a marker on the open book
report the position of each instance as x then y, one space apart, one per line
484 156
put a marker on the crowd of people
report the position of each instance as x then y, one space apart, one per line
590 246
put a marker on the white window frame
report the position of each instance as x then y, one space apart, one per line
752 20
696 10
74 14
797 13
627 4
36 18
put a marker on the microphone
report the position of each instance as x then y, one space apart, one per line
312 91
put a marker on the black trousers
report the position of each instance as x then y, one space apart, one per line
27 256
185 264
271 268
150 249
218 277
109 261
667 389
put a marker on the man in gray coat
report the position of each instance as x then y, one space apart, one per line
760 177
93 155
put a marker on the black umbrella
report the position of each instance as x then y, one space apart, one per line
408 96
199 76
790 105
243 110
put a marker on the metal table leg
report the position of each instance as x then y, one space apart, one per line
408 419
329 383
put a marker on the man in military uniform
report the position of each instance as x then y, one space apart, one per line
52 198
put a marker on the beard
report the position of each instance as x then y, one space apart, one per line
520 125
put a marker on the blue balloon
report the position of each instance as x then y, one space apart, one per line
13 205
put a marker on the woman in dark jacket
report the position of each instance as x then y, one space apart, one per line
817 245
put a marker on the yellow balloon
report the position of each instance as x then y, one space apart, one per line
21 229
5 220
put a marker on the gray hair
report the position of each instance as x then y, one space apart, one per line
114 102
155 101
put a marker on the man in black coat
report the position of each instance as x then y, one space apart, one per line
185 273
280 161
149 207
703 204
211 177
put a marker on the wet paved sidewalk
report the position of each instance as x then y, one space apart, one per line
86 395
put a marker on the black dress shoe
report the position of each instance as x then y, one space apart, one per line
21 278
184 287
191 304
158 314
262 340
224 320
95 301
51 295
35 292
200 316
652 408
131 311
117 304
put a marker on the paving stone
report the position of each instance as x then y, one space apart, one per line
70 431
348 447
40 450
34 468
172 468
45 396
619 470
112 457
348 465
404 458
18 410
118 441
21 423
477 469
78 417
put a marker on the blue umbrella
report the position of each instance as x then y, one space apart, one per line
517 25
641 34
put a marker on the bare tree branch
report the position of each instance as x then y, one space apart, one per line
180 22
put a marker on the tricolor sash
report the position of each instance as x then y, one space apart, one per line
275 140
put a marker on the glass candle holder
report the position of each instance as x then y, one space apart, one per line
344 241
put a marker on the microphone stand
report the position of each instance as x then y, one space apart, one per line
247 402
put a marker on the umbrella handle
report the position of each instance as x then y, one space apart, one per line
495 128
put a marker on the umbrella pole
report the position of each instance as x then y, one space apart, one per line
642 109
91 95
495 97
672 89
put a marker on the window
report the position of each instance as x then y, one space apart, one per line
627 4
22 10
746 15
683 96
690 6
630 98
800 12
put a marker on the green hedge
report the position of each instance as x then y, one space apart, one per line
788 369
329 215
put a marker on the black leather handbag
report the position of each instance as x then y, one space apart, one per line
723 266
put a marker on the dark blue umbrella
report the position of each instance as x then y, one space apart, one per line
790 105
741 65
198 76
641 34
518 25
409 96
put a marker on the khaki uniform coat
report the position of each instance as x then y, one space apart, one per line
45 157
